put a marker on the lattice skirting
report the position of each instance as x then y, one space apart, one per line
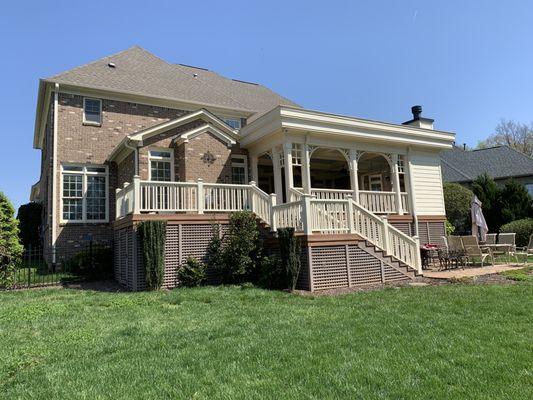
431 232
349 265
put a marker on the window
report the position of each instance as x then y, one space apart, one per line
235 123
401 172
239 170
296 154
84 194
92 111
161 162
529 188
376 184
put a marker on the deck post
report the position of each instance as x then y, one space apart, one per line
354 179
253 167
251 192
386 244
397 190
272 216
136 194
306 169
117 204
278 184
287 169
350 218
200 196
417 255
306 214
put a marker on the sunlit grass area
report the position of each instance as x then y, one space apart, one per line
435 342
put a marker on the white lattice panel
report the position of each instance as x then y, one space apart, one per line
329 267
364 268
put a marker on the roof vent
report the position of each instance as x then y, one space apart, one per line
195 75
111 65
418 120
417 111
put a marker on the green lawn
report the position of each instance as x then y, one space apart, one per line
447 342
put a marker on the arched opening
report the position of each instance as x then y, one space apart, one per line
265 173
329 170
374 173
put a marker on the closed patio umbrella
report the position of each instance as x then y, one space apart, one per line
479 225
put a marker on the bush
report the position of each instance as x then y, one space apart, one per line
29 216
458 200
523 229
192 273
450 229
214 253
92 263
241 249
153 235
282 272
515 202
10 247
488 193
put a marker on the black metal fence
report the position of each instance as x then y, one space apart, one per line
37 269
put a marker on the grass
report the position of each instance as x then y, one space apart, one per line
523 274
452 341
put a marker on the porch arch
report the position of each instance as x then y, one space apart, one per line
265 173
375 172
329 169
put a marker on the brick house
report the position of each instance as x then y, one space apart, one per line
131 137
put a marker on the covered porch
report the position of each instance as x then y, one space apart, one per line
376 180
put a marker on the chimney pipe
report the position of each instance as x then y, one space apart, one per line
417 111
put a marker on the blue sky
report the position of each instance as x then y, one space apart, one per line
469 64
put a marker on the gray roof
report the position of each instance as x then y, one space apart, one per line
499 162
138 71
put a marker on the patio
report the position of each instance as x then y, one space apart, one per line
469 271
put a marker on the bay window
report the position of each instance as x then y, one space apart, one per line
84 193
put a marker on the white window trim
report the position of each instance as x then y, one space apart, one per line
244 164
85 122
156 158
370 176
84 173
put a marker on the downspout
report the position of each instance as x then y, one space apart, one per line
54 174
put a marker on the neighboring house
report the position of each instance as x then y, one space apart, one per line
131 137
501 163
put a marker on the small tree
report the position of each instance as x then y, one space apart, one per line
241 249
458 200
289 249
515 202
10 247
29 216
153 235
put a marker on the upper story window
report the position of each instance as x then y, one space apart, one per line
296 154
92 111
161 162
84 193
235 123
239 169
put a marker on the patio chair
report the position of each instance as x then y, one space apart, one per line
474 251
454 253
491 238
525 251
507 239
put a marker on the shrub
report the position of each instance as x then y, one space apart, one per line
192 273
95 262
152 235
450 229
458 201
488 193
515 202
214 254
10 247
289 249
523 229
29 217
271 275
240 250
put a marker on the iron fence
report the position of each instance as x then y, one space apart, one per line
36 268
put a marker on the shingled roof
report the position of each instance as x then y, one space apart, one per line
137 71
499 162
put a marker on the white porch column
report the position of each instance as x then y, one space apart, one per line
287 158
278 187
354 179
253 167
306 168
396 180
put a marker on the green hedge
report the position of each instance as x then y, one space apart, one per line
192 273
523 229
153 236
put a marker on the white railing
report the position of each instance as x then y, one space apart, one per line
295 194
261 203
225 197
125 200
168 196
329 216
378 202
288 215
331 194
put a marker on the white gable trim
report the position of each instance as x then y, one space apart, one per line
200 114
207 128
